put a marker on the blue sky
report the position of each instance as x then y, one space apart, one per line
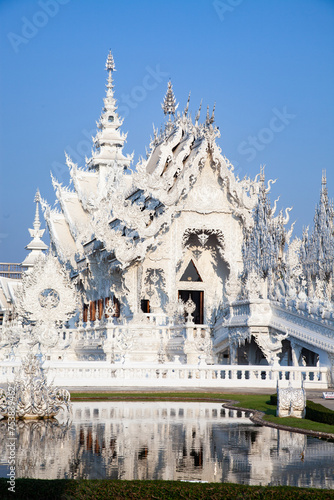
269 67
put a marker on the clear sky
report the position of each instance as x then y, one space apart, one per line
268 65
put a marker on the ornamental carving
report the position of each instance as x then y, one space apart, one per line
203 236
34 398
253 287
291 402
233 287
175 311
154 278
189 308
198 344
237 338
271 345
47 294
154 285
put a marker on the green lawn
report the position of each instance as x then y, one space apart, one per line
260 402
146 396
104 489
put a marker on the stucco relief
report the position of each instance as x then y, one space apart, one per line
47 294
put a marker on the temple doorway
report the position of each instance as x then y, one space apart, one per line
197 296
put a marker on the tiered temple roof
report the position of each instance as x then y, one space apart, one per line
109 199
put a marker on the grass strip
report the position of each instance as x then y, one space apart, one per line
262 402
104 489
151 396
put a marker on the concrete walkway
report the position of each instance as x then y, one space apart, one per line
316 396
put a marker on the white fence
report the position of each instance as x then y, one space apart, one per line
95 374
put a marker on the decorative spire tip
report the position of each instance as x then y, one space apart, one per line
324 179
110 65
199 111
37 198
186 109
169 105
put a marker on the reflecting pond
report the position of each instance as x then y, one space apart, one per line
167 440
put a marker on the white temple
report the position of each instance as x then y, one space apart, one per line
178 262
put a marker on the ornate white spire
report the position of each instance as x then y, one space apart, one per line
36 246
169 105
37 223
198 113
324 184
212 119
264 242
110 65
186 109
109 141
207 116
318 247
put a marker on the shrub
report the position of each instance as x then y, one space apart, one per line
314 411
273 399
319 413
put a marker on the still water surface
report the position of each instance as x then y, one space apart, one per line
188 441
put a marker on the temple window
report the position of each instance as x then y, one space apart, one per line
92 310
85 313
117 307
145 305
100 308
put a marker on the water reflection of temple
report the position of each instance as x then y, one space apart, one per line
165 441
192 441
42 448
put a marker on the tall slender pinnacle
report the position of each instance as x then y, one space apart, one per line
36 246
186 109
198 112
324 181
319 245
109 140
169 105
207 116
323 192
110 65
37 200
212 119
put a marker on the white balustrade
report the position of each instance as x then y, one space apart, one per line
104 374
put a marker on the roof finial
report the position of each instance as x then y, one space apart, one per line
36 246
324 183
323 179
198 113
212 119
37 200
169 105
110 65
185 112
207 116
